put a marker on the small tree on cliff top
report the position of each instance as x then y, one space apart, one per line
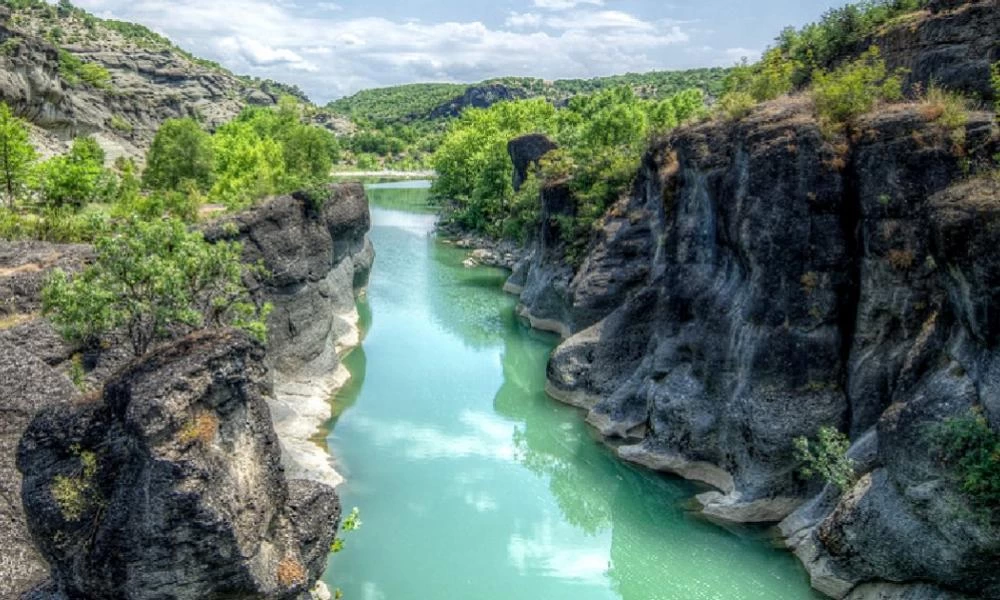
151 280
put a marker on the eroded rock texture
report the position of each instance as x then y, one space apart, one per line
762 280
170 484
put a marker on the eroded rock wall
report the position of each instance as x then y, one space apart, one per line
763 279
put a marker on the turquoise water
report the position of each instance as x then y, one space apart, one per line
472 484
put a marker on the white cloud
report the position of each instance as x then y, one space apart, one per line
524 20
329 55
564 4
605 19
262 55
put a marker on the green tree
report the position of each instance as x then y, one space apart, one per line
77 178
150 280
16 153
826 456
181 151
247 166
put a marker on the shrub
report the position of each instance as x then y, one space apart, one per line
16 154
77 178
736 105
351 522
972 448
854 89
151 280
826 457
995 81
181 151
74 493
120 125
74 71
950 111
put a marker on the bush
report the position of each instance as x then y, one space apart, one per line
16 154
736 105
74 71
972 448
854 89
826 456
152 280
77 178
995 81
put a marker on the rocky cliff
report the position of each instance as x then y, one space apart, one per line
318 262
170 484
149 80
761 281
245 502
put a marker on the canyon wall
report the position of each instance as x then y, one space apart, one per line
762 280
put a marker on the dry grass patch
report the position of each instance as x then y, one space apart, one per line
11 321
202 428
291 572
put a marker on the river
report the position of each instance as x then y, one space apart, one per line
474 485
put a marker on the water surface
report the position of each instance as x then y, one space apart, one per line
473 485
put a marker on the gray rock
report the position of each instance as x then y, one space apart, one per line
526 151
761 281
171 484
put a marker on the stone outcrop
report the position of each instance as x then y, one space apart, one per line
525 152
761 281
170 484
318 261
477 96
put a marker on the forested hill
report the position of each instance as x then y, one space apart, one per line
435 101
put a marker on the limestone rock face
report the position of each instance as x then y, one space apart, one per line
170 482
148 86
477 96
318 262
761 281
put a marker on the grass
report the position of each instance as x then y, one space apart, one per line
950 111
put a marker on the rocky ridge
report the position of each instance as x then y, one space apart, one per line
761 281
151 80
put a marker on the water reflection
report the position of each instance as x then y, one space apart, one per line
474 484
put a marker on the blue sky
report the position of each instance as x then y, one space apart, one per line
332 48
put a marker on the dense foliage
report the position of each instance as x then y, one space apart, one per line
826 457
153 279
814 55
16 154
262 152
181 152
397 127
971 447
601 137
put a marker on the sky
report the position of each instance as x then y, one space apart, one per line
333 48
